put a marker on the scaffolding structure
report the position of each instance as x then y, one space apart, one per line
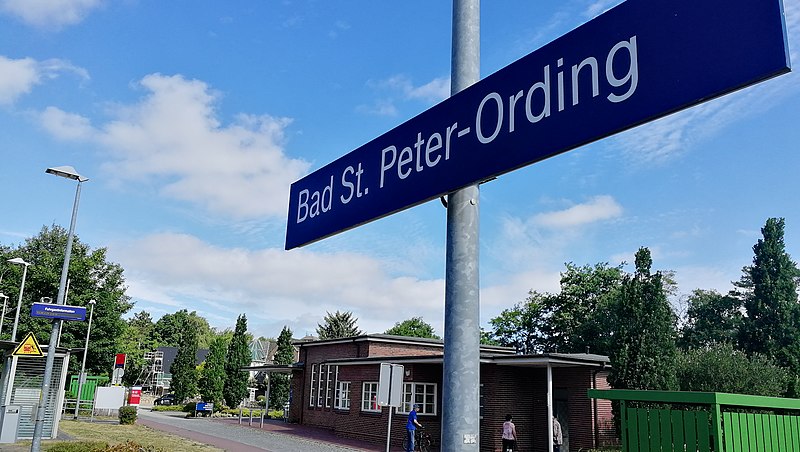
154 368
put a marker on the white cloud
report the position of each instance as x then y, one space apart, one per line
49 13
272 285
668 138
173 139
599 208
17 77
401 88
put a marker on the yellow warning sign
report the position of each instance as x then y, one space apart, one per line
28 347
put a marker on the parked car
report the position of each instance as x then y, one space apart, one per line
166 399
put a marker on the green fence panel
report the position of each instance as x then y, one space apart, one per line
703 443
727 422
643 433
632 430
667 434
767 429
689 430
759 421
677 431
654 430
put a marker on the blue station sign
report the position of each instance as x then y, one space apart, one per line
58 311
639 61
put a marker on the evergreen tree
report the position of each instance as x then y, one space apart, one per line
184 368
279 383
340 324
643 348
768 290
238 356
413 327
212 380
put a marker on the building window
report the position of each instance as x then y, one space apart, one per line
329 385
319 384
423 394
342 395
312 400
369 397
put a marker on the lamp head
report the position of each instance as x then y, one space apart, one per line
18 261
92 302
2 295
66 171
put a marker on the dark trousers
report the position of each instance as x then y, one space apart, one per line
509 444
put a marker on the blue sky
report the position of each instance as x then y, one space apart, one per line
191 120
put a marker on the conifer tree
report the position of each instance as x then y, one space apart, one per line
338 325
184 368
238 356
279 385
212 381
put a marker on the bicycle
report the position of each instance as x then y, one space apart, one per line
422 441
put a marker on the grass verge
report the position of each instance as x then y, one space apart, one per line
114 434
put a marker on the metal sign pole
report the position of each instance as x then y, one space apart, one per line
461 379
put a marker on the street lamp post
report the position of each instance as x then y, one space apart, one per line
3 316
69 173
81 376
7 364
19 261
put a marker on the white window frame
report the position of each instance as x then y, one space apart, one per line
319 385
313 395
411 395
370 404
328 385
342 395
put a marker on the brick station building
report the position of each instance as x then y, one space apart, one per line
335 385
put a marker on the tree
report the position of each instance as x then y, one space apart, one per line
413 327
91 276
768 290
237 357
642 343
710 318
340 324
522 325
212 380
135 341
721 368
184 368
574 318
167 330
279 383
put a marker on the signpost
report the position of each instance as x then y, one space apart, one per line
58 311
639 61
390 391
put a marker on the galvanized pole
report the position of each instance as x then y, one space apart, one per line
461 379
81 376
51 352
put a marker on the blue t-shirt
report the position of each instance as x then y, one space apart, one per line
412 416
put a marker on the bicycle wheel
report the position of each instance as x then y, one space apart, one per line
425 445
405 443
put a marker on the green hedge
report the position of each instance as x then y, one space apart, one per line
127 415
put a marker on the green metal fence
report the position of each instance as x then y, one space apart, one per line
664 421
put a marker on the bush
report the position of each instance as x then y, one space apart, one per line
77 446
130 446
127 415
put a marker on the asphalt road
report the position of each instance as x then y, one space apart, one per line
242 438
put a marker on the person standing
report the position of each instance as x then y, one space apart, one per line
558 435
411 427
509 435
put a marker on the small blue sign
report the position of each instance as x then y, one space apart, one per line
639 61
58 311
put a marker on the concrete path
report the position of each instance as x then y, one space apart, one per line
275 436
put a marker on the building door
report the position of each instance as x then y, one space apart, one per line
561 413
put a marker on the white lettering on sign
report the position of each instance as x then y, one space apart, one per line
561 85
